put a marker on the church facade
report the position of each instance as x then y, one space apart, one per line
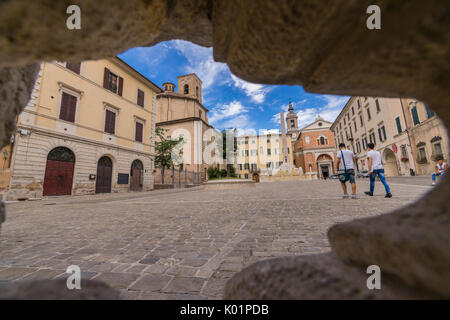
315 150
182 114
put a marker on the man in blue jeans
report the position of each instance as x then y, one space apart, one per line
376 168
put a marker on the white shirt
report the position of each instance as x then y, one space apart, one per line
376 160
440 168
348 159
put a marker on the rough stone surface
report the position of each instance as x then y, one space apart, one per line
323 45
194 241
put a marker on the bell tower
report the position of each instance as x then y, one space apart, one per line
292 122
190 85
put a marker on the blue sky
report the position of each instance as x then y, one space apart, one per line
232 102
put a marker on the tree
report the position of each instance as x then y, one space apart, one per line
229 154
164 149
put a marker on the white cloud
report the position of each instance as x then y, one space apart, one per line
256 92
232 115
201 63
224 111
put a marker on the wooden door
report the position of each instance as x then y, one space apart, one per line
104 175
136 180
58 178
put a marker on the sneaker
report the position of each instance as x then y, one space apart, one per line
388 195
369 193
354 196
345 196
433 184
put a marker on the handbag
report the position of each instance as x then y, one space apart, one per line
341 173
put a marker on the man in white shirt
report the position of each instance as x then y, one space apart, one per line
346 169
376 168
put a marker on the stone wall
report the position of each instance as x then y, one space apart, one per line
30 157
322 45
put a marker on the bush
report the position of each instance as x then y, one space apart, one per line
213 173
223 173
232 171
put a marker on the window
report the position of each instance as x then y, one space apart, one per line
200 114
253 141
292 124
372 137
75 67
243 153
307 139
240 166
358 147
246 166
110 121
196 91
186 89
254 152
399 125
268 165
246 153
404 152
359 104
345 122
113 82
415 116
437 148
368 114
377 103
269 152
289 151
430 113
353 111
321 140
277 151
68 107
254 167
268 140
356 127
361 120
422 156
246 141
139 131
140 98
382 133
364 143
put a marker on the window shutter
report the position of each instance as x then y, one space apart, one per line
106 79
75 67
71 109
140 98
68 107
139 131
119 92
110 122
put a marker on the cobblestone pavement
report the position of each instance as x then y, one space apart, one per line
181 245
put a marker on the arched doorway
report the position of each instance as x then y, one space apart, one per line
390 163
325 166
137 176
59 169
104 175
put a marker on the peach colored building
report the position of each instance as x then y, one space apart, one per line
88 128
182 114
315 150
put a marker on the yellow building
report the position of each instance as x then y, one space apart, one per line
261 152
88 128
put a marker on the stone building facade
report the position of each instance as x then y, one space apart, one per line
428 136
88 128
315 149
377 120
182 114
261 152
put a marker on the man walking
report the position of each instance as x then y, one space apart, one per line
346 169
376 168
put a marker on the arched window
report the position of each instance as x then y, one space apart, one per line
321 140
61 154
196 91
186 89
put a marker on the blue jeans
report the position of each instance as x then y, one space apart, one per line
433 175
380 173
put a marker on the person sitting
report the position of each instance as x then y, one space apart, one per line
439 170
